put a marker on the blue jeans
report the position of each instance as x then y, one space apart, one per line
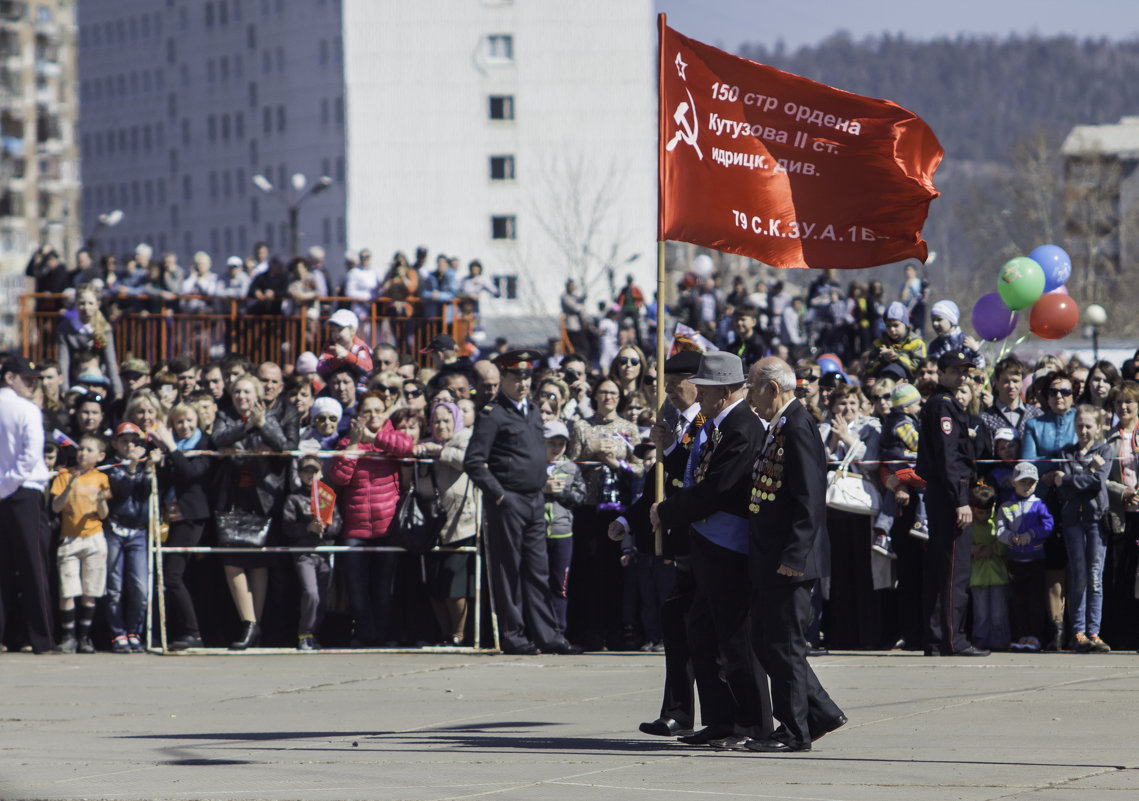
128 574
1087 548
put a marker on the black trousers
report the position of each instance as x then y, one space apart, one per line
24 560
733 687
519 571
182 620
595 581
780 613
948 559
679 699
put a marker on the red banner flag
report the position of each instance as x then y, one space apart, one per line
791 172
323 501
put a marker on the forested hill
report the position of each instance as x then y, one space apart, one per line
978 94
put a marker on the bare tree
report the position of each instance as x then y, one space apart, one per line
575 205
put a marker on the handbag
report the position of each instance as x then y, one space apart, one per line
238 529
418 523
851 491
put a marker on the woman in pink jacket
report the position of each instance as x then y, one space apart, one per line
370 494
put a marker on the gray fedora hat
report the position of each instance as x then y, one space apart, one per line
719 369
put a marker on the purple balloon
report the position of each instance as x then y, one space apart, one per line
992 319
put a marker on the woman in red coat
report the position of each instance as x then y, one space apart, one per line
370 496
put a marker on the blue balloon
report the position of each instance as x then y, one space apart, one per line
1056 264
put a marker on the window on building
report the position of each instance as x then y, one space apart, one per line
238 67
500 47
227 238
338 110
223 69
209 15
212 128
267 121
215 241
187 188
253 158
173 162
237 10
239 125
340 169
239 181
341 232
134 139
280 59
147 139
502 107
225 127
188 243
160 79
184 74
325 111
223 13
266 62
161 187
254 210
502 168
211 72
242 241
507 286
502 226
213 184
146 82
148 192
337 49
172 105
132 24
171 51
326 230
185 131
226 184
280 119
136 194
253 94
322 52
251 37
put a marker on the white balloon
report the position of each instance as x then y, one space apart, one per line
1095 315
703 265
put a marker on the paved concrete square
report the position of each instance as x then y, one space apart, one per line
456 726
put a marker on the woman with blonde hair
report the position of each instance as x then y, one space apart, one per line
89 331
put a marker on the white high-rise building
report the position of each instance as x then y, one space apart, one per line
521 133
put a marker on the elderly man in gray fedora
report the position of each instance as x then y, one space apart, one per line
714 505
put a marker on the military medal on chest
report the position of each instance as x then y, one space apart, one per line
769 469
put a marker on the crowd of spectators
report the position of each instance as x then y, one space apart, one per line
190 441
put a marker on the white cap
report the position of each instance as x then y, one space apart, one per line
555 428
306 363
1025 470
1005 434
345 318
234 261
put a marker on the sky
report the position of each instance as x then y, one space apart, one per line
729 23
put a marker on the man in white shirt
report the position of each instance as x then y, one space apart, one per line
24 539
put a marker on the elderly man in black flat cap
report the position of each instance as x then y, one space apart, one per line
506 459
715 508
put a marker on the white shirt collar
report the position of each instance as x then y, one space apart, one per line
690 413
720 417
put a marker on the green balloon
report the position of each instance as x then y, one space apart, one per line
1021 283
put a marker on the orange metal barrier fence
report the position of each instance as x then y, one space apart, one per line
222 325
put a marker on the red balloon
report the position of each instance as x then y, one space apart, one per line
1060 290
1054 316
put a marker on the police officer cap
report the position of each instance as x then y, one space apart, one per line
519 362
684 362
955 358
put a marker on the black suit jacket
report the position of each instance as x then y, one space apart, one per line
675 541
787 525
727 481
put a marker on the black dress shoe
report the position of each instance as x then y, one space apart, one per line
733 742
250 637
828 727
665 727
563 647
771 746
706 735
525 649
972 650
185 642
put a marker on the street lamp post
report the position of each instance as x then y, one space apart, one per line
1096 318
293 198
107 220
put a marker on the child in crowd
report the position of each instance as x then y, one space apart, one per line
898 448
1023 525
897 345
944 318
988 579
80 495
344 348
999 476
128 573
564 489
302 527
1082 479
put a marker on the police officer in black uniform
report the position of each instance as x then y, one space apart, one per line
506 459
945 461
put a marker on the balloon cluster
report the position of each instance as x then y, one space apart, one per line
1035 281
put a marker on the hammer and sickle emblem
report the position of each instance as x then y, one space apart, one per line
686 131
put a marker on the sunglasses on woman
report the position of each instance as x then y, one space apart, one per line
391 390
628 360
412 394
1061 392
